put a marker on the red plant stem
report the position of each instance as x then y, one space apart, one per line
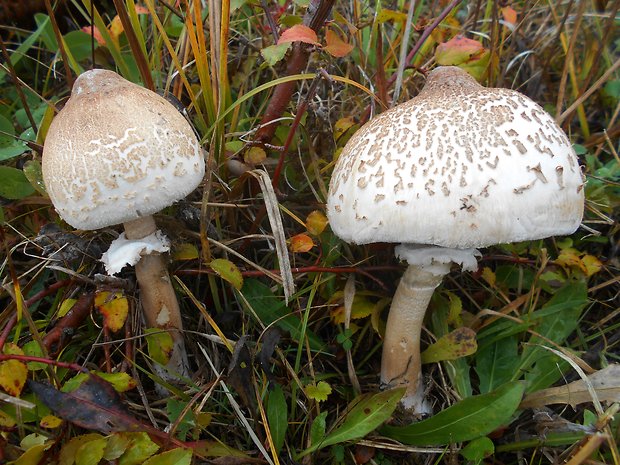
47 361
315 17
57 337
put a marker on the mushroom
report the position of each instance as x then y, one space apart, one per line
458 167
118 153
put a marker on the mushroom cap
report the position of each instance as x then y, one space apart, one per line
459 166
117 152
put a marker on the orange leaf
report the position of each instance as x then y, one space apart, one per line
299 33
301 243
458 50
95 33
336 46
316 222
510 15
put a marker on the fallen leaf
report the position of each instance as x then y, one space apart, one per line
606 384
50 422
95 405
299 33
336 46
159 344
185 251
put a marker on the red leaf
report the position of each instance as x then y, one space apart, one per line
299 33
510 15
336 46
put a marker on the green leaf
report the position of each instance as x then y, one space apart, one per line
140 449
90 453
160 345
478 449
364 415
34 174
459 343
275 53
318 392
277 416
496 363
470 418
14 184
178 456
556 320
271 309
9 146
175 409
317 430
68 452
228 271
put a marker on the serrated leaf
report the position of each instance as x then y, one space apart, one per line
456 344
319 391
336 46
114 307
316 222
277 416
14 183
365 414
178 456
275 53
468 419
299 33
228 271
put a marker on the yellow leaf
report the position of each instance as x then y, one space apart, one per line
385 15
228 271
316 222
115 28
13 373
65 306
254 155
160 345
318 392
360 308
489 276
114 308
459 343
592 264
50 422
185 251
6 421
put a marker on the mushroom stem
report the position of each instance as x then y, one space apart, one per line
159 301
401 364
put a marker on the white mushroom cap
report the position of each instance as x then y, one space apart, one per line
117 152
459 166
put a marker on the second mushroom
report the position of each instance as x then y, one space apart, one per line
458 167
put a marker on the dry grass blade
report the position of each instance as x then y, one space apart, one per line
275 220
